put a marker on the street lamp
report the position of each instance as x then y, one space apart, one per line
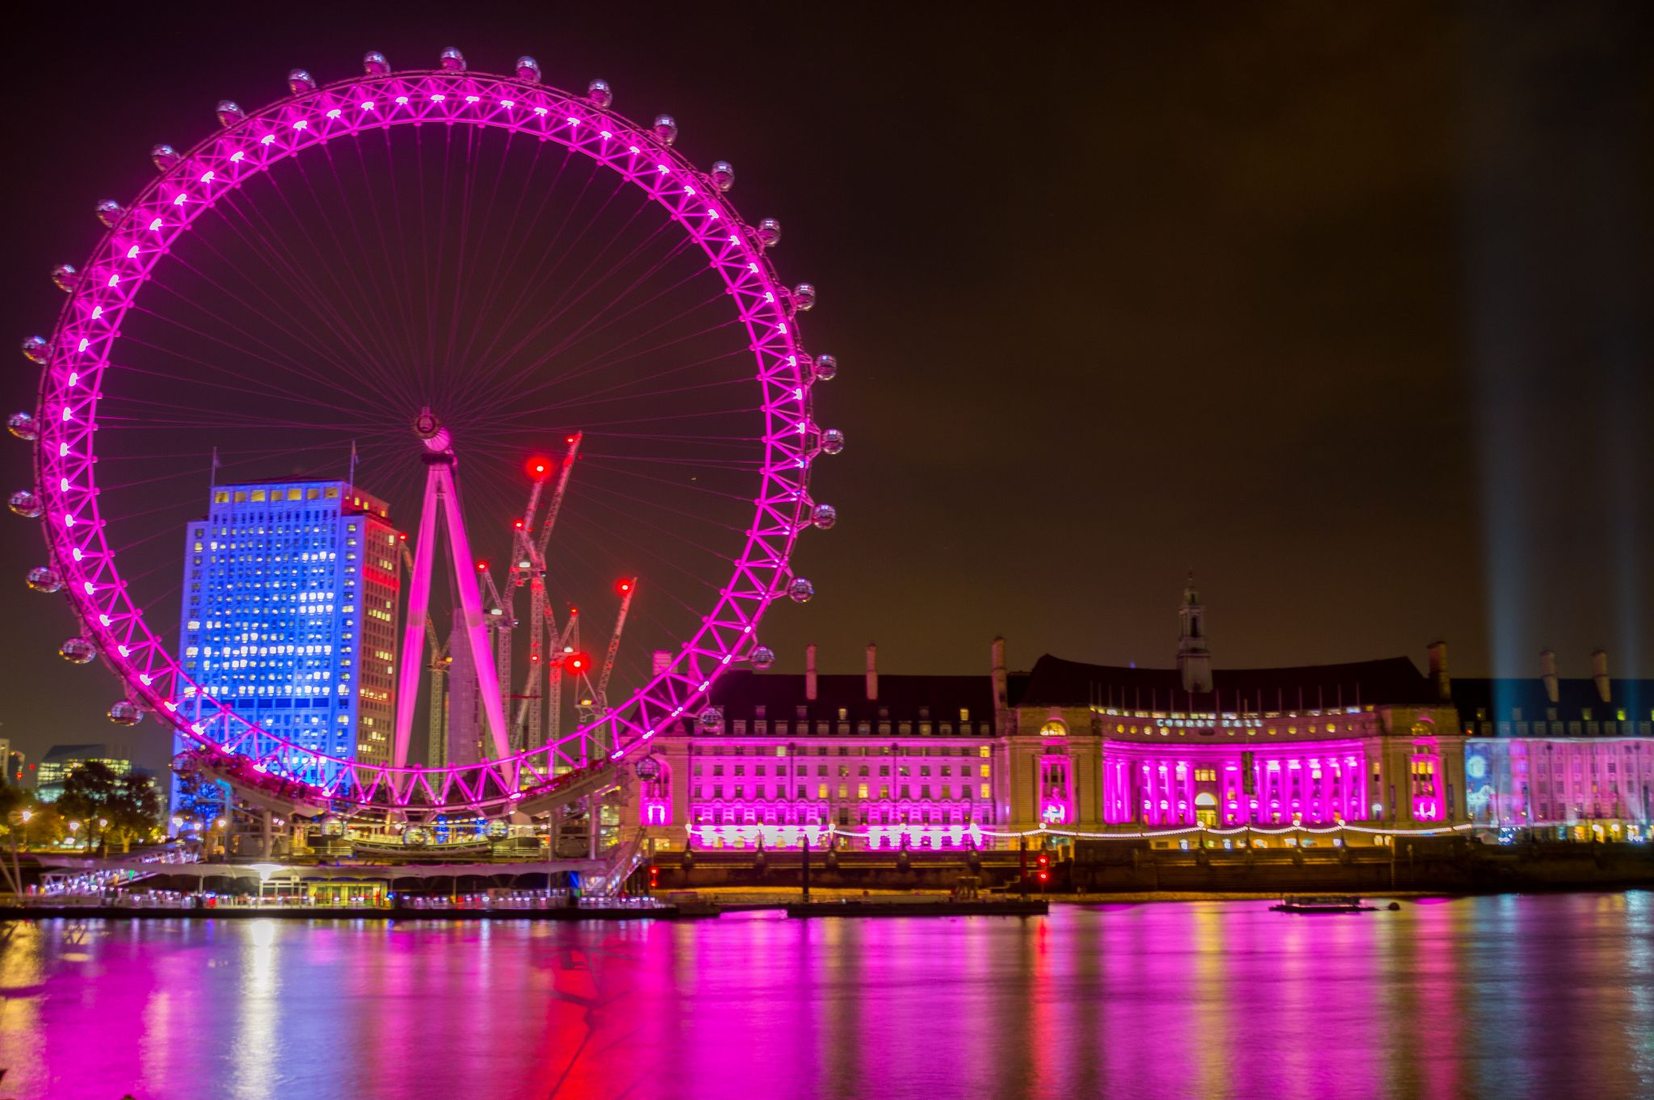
74 830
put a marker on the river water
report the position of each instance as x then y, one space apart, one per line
1542 996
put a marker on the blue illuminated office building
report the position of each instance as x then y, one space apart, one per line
290 609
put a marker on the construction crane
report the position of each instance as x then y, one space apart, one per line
564 646
436 745
627 587
502 622
530 568
594 706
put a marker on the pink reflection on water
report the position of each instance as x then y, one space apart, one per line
1517 995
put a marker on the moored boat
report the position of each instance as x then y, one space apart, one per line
1320 903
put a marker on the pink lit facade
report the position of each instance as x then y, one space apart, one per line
922 762
1572 755
1601 787
1321 783
852 761
1170 770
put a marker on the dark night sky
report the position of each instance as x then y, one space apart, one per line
1344 307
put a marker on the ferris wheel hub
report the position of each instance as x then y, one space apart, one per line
435 436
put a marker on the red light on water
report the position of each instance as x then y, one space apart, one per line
538 466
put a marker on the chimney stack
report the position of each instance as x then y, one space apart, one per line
1547 673
810 672
1001 694
1599 673
1438 670
660 661
872 672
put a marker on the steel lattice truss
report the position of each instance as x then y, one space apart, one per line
133 253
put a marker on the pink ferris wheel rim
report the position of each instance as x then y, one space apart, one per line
88 330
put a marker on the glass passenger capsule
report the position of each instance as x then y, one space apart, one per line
832 441
769 232
36 349
763 658
65 277
78 651
801 591
126 713
229 112
804 297
452 61
299 81
711 720
374 63
825 368
43 578
824 516
24 503
666 129
599 93
110 212
23 426
164 156
723 175
528 69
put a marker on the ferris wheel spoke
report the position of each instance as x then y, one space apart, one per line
559 252
554 316
635 505
384 289
624 351
264 382
590 328
645 549
375 329
586 284
496 273
602 400
676 484
268 319
326 305
649 383
531 233
686 416
567 376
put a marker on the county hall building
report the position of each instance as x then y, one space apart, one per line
1243 756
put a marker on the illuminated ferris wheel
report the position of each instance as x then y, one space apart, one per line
417 269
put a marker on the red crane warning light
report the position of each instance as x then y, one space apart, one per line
577 663
624 585
538 467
